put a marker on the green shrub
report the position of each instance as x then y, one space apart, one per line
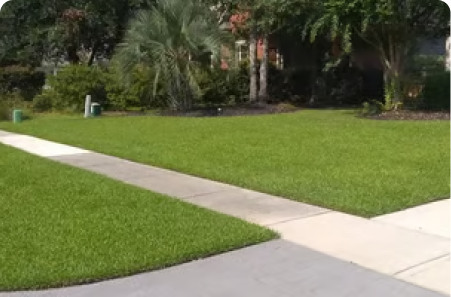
290 84
138 93
44 101
119 96
215 86
68 89
342 85
23 80
436 92
11 101
222 87
4 112
371 108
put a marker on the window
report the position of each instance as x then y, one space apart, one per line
242 50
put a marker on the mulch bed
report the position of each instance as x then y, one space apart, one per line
412 115
244 110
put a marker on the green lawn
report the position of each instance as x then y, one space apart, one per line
61 225
328 158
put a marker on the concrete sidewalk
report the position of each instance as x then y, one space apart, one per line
418 257
273 269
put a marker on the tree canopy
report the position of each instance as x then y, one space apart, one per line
77 30
391 27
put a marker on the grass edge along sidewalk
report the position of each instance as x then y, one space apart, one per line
63 226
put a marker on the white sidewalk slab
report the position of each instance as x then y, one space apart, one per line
40 147
432 218
382 247
433 275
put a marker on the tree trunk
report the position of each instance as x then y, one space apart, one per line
253 87
393 90
263 91
92 55
394 70
72 54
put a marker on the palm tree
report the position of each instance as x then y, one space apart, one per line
169 40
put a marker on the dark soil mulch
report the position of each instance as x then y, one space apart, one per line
232 111
412 115
214 112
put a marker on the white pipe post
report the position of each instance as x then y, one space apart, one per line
88 106
448 53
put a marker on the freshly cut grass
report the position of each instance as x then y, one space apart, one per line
61 225
328 158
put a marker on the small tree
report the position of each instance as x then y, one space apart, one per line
167 40
391 27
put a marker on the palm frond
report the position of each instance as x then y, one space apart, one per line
165 38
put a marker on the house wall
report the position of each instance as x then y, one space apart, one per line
433 47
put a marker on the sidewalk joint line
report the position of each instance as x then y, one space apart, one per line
299 218
205 194
421 263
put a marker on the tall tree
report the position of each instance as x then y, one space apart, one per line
391 27
76 30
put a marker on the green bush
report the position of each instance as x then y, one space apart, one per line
68 89
11 101
44 101
119 96
342 85
371 108
222 87
290 84
436 92
4 112
23 80
139 92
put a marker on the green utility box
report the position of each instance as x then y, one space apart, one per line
96 110
17 116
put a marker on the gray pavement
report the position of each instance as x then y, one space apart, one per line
249 205
273 269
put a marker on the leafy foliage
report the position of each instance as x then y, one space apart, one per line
138 93
220 87
23 80
436 92
77 30
68 89
172 39
373 107
391 27
11 101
